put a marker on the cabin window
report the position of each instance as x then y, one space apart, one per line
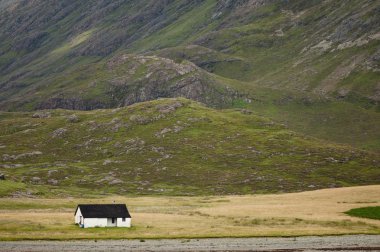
123 219
113 220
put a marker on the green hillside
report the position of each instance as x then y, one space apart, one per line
183 97
312 65
323 47
169 147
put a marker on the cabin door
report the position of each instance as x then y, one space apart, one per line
112 222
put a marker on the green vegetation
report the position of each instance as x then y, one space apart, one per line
277 91
7 187
366 212
188 98
300 63
170 147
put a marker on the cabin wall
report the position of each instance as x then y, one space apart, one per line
95 222
110 224
126 223
78 214
106 222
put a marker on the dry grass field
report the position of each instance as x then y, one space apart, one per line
296 214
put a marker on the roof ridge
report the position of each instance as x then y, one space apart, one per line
103 210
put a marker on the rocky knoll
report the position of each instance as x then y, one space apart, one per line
130 79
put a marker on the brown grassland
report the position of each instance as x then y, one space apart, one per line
295 214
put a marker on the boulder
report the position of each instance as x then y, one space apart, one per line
41 114
53 181
73 118
58 132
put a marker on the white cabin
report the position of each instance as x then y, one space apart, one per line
102 215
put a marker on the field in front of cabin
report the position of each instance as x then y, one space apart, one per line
296 214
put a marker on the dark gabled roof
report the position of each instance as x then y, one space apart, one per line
104 211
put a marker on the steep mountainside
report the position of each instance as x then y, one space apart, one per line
169 147
312 65
326 47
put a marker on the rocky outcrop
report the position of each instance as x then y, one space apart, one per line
58 132
163 78
7 157
233 4
74 102
41 114
203 57
31 42
136 78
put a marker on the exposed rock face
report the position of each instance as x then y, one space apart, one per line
203 57
232 4
137 78
68 102
165 109
31 42
164 78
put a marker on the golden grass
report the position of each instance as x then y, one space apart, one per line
307 213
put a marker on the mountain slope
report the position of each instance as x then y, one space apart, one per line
324 47
123 80
312 65
171 147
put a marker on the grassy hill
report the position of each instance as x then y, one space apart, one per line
312 65
169 147
291 90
